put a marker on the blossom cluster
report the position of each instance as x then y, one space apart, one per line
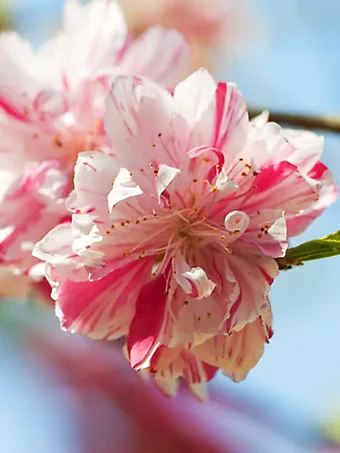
155 209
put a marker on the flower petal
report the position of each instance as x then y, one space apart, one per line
20 77
281 186
193 96
216 115
123 188
93 178
105 308
169 364
269 144
268 231
147 324
32 205
92 38
138 121
165 175
235 354
254 274
61 249
328 195
198 284
194 281
236 223
160 54
224 184
197 319
305 151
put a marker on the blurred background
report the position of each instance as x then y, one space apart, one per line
284 56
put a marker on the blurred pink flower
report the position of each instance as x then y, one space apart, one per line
51 108
173 240
198 19
208 25
126 414
107 409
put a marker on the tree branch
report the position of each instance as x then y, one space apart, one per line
287 263
320 123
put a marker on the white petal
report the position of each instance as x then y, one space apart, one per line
224 184
193 281
194 95
200 285
236 222
124 187
94 173
165 176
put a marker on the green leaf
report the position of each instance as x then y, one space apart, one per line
311 250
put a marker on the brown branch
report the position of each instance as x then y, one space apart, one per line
287 263
320 123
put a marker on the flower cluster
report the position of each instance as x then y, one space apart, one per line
51 108
173 240
180 204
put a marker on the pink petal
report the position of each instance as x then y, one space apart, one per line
269 144
281 186
328 195
305 151
267 229
160 54
48 104
254 274
92 38
105 308
216 115
146 327
235 354
32 205
266 143
138 121
196 319
169 364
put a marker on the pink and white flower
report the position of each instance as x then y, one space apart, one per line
52 103
32 202
173 240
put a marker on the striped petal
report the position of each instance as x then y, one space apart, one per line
102 309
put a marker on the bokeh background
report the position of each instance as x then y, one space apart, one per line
291 62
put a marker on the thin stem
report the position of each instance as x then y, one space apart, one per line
320 123
287 262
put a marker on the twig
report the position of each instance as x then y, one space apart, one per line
320 123
287 263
